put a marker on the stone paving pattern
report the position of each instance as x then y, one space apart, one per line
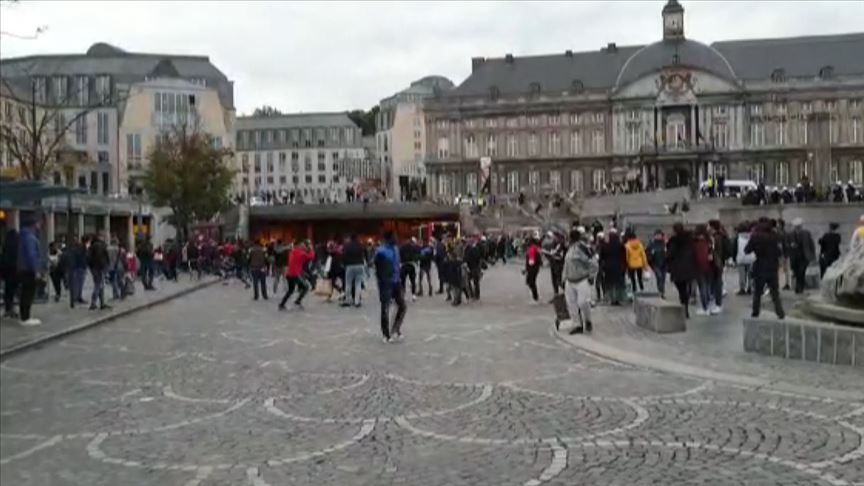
215 389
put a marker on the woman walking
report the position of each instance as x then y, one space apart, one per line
532 267
613 261
637 260
681 262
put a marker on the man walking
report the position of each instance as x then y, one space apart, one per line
427 253
555 254
258 269
115 270
579 268
29 266
410 255
77 270
768 247
98 260
829 248
802 251
280 261
300 256
440 263
354 259
145 256
387 272
474 262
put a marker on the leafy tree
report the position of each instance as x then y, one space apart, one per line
365 119
266 110
188 174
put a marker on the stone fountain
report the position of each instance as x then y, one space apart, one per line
842 290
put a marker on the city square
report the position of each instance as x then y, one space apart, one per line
637 229
214 388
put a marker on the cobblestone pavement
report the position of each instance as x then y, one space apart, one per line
215 389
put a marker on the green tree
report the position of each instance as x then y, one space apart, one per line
188 174
365 119
267 110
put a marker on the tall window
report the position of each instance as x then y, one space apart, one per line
82 90
61 90
856 172
781 176
133 147
81 130
533 144
471 183
471 146
102 128
598 142
554 143
555 180
40 89
855 135
445 184
834 171
443 147
491 145
257 163
576 182
575 142
834 129
805 169
295 162
322 163
270 162
781 132
598 180
349 136
720 132
757 134
804 127
103 89
283 161
513 182
512 146
676 131
534 181
633 138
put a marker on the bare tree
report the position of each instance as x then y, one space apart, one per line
38 139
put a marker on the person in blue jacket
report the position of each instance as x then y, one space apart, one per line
29 267
389 287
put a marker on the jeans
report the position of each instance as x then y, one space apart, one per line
408 272
259 281
556 269
295 283
745 278
98 287
10 287
717 288
115 277
583 311
705 286
635 275
531 280
28 292
683 287
427 271
660 278
76 285
773 283
354 276
439 269
57 282
147 269
391 292
278 275
474 282
799 271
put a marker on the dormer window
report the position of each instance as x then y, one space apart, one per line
577 86
494 93
778 75
535 88
826 72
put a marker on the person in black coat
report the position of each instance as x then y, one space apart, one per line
768 247
681 263
613 261
9 272
829 248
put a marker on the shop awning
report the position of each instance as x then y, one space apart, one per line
21 192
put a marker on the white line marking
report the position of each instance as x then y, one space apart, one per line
558 464
200 475
38 447
169 392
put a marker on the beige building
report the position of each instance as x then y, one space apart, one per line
299 153
665 114
112 87
401 137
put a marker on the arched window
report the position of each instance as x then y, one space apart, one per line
778 75
577 86
826 72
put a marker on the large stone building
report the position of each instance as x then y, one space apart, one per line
299 153
127 100
665 114
401 136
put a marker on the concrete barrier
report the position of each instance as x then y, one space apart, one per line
804 340
658 315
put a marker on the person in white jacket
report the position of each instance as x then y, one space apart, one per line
744 261
579 269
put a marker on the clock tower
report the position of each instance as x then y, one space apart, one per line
673 21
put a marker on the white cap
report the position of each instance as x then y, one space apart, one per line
797 222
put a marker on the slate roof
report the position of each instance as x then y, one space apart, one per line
601 69
124 67
797 56
297 120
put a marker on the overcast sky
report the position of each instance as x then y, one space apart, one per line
319 56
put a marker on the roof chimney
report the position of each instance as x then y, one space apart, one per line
611 47
476 62
508 58
568 53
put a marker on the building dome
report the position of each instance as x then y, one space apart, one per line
103 49
674 52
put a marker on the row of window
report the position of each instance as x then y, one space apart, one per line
512 183
270 161
554 119
554 144
805 107
283 180
296 137
82 91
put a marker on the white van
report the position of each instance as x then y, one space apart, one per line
732 187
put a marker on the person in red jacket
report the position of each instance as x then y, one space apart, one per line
299 257
533 263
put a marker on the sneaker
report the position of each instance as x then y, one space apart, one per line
31 322
385 340
588 326
413 298
397 338
716 309
565 323
281 307
92 306
701 312
105 307
576 330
